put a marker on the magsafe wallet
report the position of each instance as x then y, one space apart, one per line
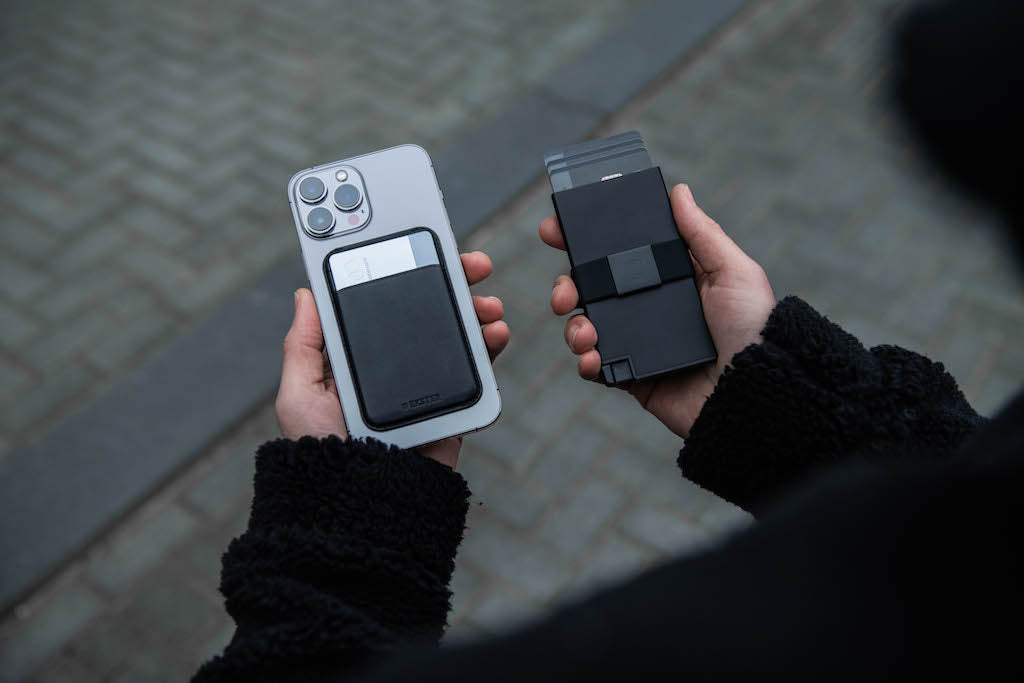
634 275
407 349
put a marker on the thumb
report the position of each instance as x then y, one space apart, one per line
708 243
303 362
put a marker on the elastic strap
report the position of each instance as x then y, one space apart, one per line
632 270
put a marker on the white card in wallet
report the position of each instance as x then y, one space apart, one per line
380 259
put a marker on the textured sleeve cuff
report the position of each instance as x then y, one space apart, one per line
381 495
351 537
811 395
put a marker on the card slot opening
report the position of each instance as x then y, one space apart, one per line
383 279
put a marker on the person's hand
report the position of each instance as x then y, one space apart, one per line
734 291
307 401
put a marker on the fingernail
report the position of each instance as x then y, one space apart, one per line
572 337
296 298
494 298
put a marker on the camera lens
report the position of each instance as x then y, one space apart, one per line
347 197
312 190
320 221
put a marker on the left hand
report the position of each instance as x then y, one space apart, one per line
307 400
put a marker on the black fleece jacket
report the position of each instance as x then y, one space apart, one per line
886 543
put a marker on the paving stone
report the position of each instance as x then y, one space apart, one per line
162 154
156 225
39 162
996 392
502 611
655 477
130 302
141 548
75 297
171 613
226 483
512 559
197 558
509 441
155 267
12 378
514 392
64 381
479 468
555 405
144 669
615 410
518 503
15 326
465 585
667 533
107 644
79 332
162 188
615 560
574 526
721 517
620 411
564 463
64 669
215 644
21 235
534 355
505 247
462 633
135 335
17 280
965 350
25 647
208 288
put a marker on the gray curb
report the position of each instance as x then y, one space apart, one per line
64 489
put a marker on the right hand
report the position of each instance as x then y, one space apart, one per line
734 292
307 401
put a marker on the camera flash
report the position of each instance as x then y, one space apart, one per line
342 176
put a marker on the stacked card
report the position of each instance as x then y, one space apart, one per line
596 160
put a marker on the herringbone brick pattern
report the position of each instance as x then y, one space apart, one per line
144 151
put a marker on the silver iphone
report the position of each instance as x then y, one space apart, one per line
404 342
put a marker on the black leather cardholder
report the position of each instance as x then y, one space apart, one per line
406 347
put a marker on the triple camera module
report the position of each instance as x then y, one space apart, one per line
347 209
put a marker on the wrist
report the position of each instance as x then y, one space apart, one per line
705 386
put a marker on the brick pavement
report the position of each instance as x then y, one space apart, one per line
779 128
136 143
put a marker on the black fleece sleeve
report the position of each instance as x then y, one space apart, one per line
811 396
349 550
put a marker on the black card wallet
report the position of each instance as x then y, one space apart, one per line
406 346
634 275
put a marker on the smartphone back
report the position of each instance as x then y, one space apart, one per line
398 319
